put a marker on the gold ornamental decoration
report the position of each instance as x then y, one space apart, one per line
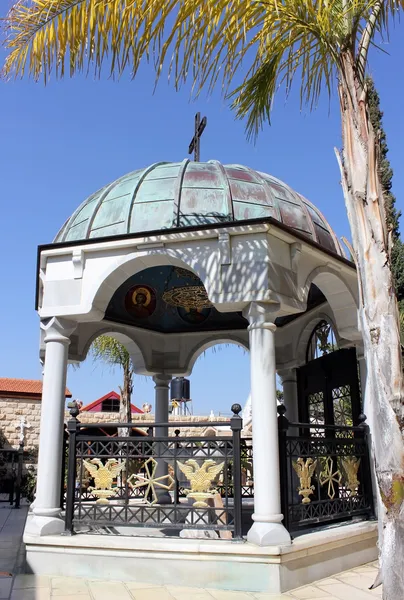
329 476
201 478
189 296
351 466
103 476
150 482
304 470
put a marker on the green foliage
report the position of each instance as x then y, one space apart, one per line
107 349
386 179
28 484
275 43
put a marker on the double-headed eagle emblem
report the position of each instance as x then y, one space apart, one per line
305 471
103 476
201 478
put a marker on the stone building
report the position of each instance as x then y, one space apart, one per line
21 399
106 410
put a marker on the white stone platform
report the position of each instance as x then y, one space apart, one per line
219 565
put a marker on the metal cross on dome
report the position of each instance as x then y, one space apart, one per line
195 145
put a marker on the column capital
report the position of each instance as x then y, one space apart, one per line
287 374
261 315
58 330
162 380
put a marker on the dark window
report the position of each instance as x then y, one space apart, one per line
322 341
110 405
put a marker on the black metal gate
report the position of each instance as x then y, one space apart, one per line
328 389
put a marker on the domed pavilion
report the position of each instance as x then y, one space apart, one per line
170 260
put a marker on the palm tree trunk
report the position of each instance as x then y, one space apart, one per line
378 318
125 408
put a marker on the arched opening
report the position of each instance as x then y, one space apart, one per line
105 378
220 377
328 385
322 341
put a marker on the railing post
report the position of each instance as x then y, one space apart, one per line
177 484
367 470
236 424
19 476
71 469
62 481
283 424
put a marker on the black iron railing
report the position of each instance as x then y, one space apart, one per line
123 481
11 463
326 476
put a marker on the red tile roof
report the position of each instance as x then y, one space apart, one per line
23 387
112 395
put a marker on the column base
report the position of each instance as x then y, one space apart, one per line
164 498
40 525
268 534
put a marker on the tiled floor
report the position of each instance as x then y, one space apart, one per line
350 585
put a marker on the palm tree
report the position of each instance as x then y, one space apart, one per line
317 43
113 353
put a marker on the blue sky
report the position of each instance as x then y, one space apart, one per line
62 142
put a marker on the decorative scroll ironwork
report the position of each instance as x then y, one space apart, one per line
304 470
126 469
150 482
332 471
188 296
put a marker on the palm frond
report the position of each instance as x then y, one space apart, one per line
205 41
107 349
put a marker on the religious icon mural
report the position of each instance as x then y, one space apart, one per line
140 301
194 316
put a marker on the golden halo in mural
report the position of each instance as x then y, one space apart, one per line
145 292
190 296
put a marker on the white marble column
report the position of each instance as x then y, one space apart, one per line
267 528
162 387
46 513
290 400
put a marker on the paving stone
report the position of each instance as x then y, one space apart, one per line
227 595
106 590
31 594
185 593
343 591
138 585
152 594
31 581
309 592
68 586
264 596
5 586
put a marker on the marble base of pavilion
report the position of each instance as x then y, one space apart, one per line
207 564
